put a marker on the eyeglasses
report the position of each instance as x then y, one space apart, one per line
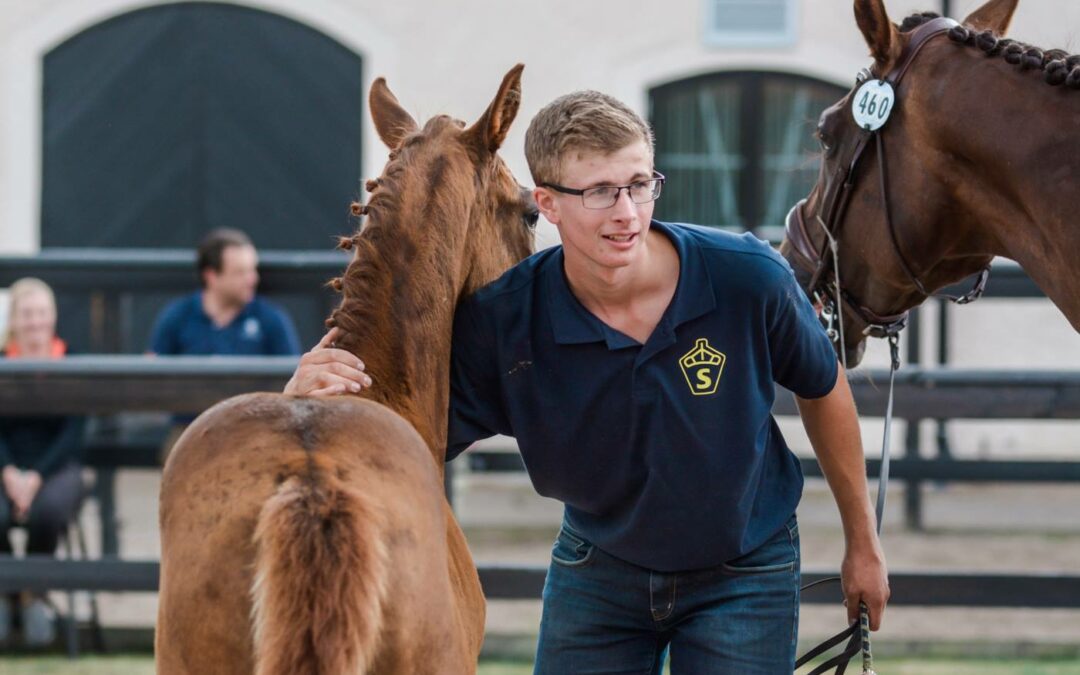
605 196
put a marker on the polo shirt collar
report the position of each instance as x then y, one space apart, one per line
694 295
570 321
573 324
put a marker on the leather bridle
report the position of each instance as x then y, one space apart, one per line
825 286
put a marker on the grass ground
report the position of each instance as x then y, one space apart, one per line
144 665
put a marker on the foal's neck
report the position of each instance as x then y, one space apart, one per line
397 315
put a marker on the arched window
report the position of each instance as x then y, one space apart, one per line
737 148
165 122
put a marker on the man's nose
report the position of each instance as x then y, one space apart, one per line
624 208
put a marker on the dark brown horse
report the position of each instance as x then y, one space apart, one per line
305 536
978 158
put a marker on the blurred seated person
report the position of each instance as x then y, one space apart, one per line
39 454
225 317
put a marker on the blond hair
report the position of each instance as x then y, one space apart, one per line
583 121
19 290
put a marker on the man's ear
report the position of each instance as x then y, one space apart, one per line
548 205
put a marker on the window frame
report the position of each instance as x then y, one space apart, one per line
750 190
714 36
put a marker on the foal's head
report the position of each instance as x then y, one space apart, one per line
445 217
943 172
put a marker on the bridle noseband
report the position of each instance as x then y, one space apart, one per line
830 292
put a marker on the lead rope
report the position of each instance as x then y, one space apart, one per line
858 633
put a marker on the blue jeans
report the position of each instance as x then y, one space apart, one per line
605 615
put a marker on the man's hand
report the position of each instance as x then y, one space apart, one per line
865 579
12 480
30 484
326 370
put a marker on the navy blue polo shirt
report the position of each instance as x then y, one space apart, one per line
261 328
666 453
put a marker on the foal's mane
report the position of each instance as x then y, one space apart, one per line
1058 66
383 265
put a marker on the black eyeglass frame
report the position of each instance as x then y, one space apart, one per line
656 176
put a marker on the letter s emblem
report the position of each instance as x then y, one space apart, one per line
704 381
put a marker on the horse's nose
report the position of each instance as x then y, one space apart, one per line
855 353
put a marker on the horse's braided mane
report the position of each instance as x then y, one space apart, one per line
1058 66
367 264
359 285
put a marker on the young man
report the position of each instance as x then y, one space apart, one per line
635 364
225 317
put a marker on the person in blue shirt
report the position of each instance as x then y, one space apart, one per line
635 365
225 317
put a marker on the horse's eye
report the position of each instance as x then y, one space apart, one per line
531 217
826 145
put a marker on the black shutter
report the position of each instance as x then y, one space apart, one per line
163 123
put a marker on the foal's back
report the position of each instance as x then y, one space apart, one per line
342 459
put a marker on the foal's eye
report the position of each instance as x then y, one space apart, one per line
531 217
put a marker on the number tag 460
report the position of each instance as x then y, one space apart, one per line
872 105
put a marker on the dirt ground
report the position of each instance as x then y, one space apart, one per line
968 527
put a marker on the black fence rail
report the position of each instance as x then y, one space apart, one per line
520 582
108 298
109 384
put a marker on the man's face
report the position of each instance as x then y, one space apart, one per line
601 238
235 283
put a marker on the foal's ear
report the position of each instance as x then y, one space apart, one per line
391 120
880 33
995 15
490 130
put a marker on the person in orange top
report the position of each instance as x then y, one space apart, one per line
41 486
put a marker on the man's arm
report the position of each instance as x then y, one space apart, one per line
832 424
163 338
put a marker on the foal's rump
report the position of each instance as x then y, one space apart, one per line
286 524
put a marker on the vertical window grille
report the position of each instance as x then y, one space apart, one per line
738 148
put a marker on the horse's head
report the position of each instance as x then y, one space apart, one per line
897 203
445 217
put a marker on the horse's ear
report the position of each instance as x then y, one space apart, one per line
391 120
995 15
490 130
880 33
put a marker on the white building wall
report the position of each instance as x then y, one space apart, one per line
448 57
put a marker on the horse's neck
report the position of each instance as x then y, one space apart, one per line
1033 223
1017 184
1047 246
398 316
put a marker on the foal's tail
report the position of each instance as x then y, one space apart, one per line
320 579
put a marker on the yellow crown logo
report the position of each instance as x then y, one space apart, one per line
702 366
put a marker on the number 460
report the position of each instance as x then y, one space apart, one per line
868 105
